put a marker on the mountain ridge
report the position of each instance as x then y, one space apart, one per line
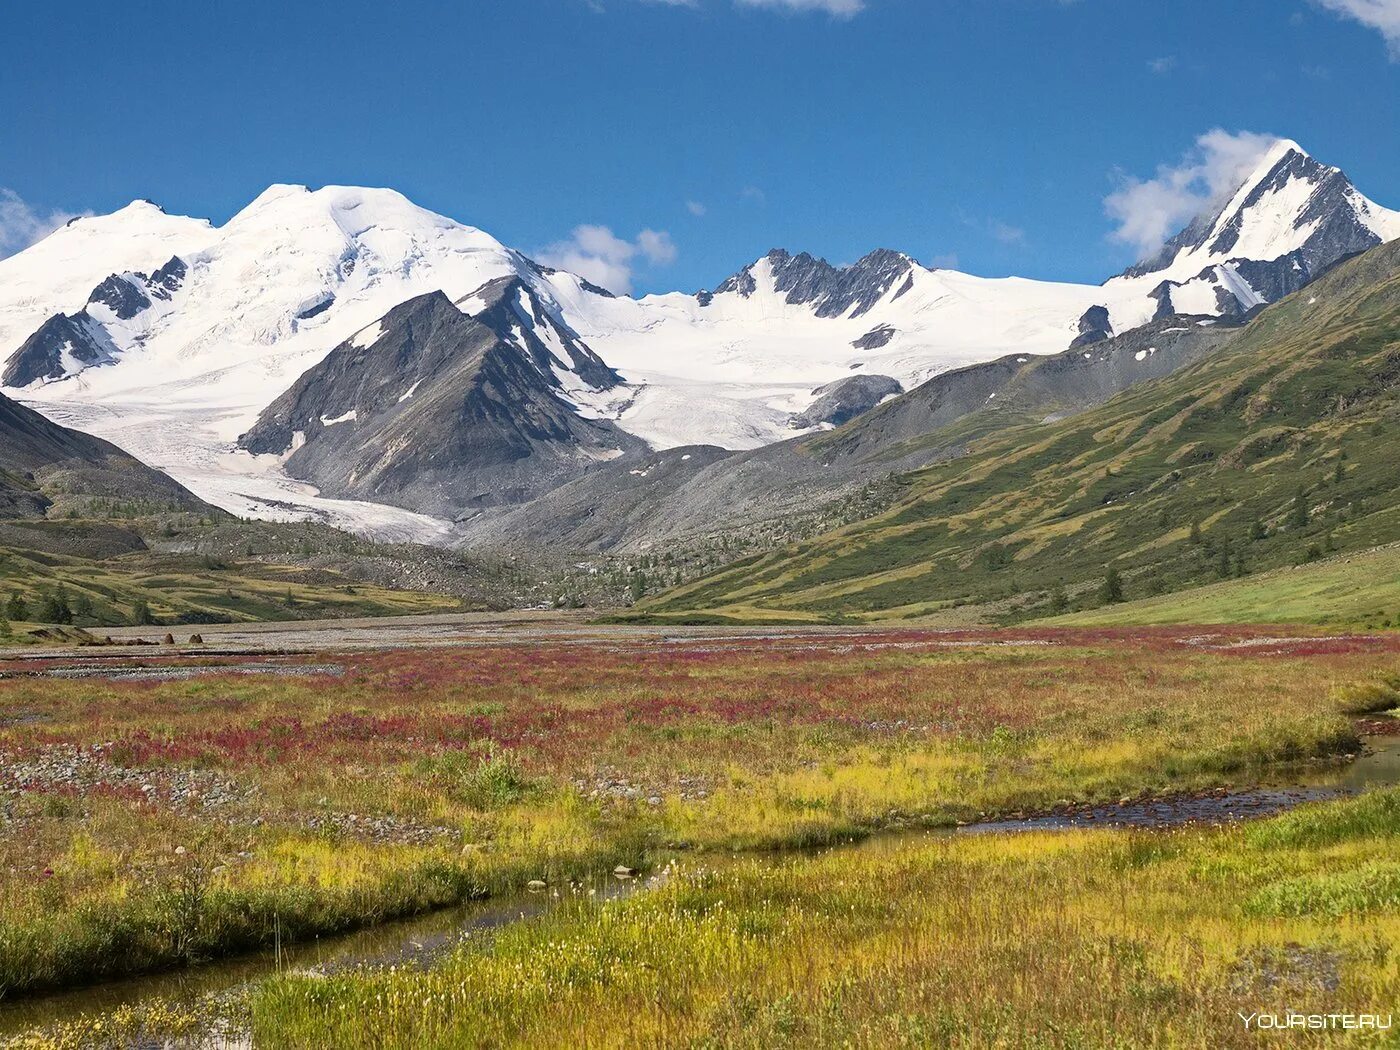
267 296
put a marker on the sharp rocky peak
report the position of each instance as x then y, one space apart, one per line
831 291
1311 211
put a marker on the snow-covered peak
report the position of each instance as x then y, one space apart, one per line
829 291
290 276
1290 203
58 273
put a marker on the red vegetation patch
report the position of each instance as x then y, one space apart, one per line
565 704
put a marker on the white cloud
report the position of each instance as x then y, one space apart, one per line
1148 211
1006 233
835 8
597 254
1381 15
1162 66
21 225
696 208
657 246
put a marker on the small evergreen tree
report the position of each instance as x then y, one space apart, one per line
1257 531
141 613
1111 593
1300 515
54 608
17 608
1196 531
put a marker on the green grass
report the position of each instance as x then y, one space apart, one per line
1272 452
1106 939
470 772
1355 590
181 589
1049 941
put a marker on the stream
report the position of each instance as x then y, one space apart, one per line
421 940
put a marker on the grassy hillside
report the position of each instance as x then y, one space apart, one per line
171 590
1350 590
185 569
1278 449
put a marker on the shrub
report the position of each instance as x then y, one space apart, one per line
1368 698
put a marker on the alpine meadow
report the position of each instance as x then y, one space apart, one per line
972 623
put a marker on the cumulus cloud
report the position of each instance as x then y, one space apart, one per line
1381 15
1148 211
696 208
597 254
21 224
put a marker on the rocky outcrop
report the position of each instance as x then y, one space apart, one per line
831 291
42 463
438 412
1094 327
843 400
68 343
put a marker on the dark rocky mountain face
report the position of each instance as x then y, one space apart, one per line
1094 327
513 310
61 342
843 400
81 339
832 292
438 412
42 463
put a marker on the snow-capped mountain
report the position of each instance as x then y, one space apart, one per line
59 273
1286 224
171 336
730 367
175 355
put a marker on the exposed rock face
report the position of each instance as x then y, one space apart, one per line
876 338
843 400
511 309
831 292
1094 327
41 461
438 412
64 344
67 343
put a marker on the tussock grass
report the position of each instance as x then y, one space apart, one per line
1086 939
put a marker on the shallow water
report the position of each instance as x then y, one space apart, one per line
409 942
420 940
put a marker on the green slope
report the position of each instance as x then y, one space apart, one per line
1280 448
1347 590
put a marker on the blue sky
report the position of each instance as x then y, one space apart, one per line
985 133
